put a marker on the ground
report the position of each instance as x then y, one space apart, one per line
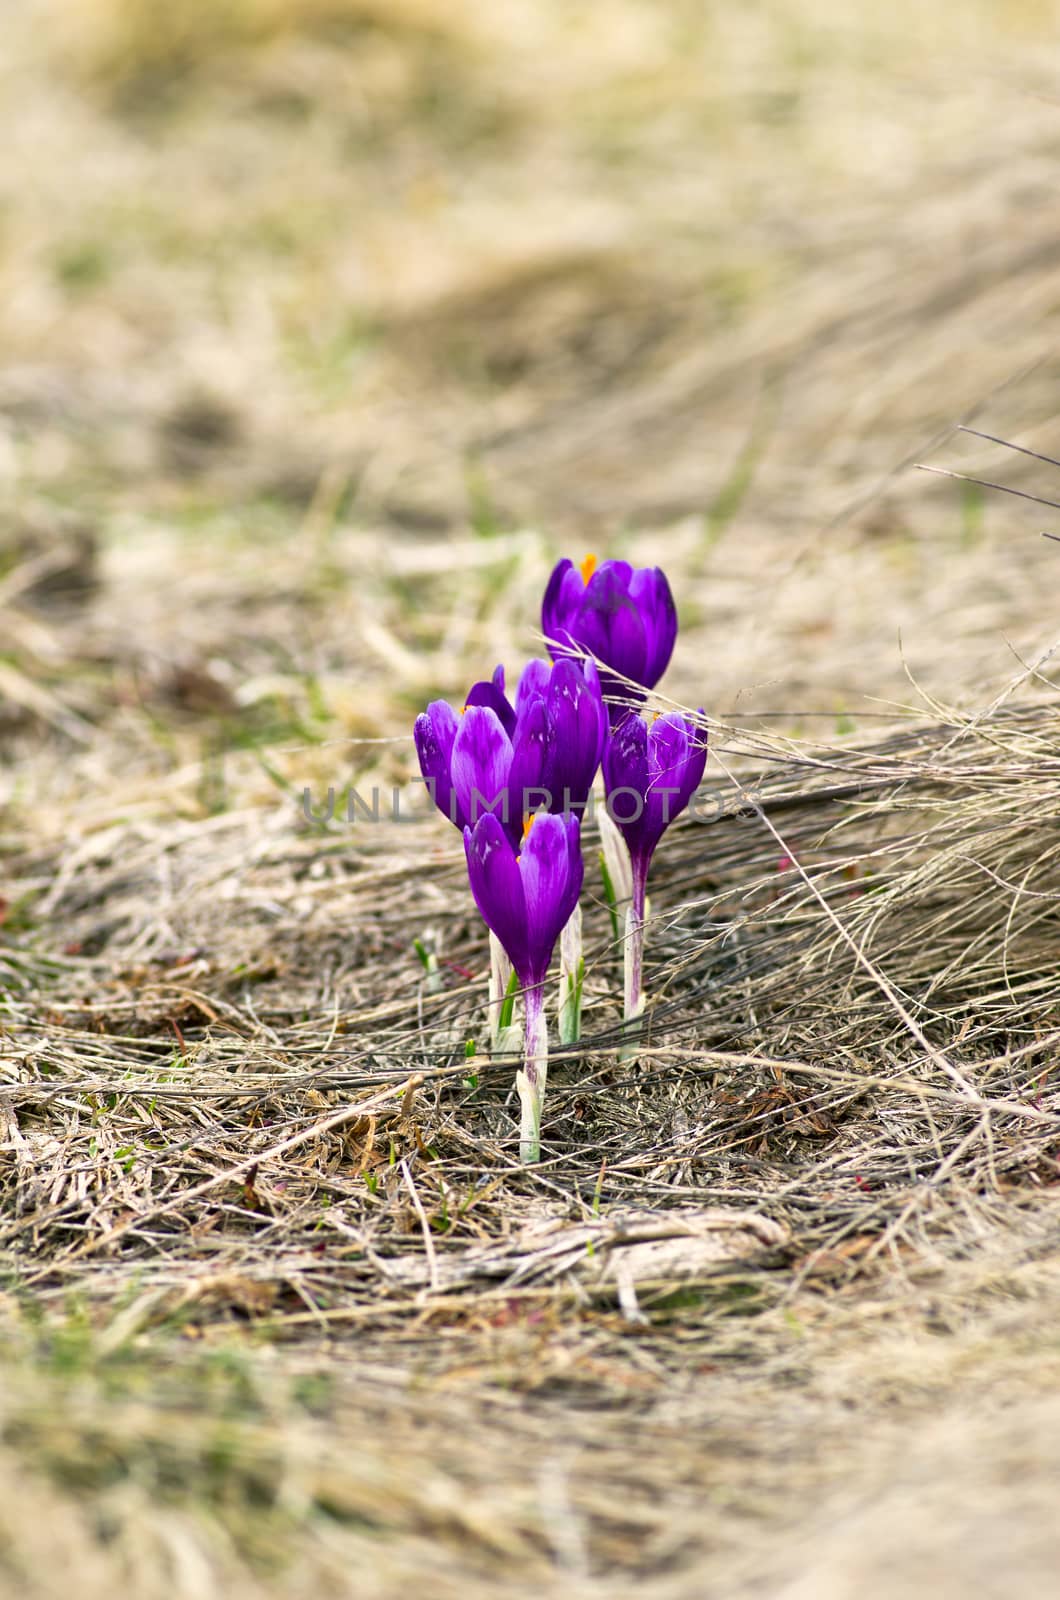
327 326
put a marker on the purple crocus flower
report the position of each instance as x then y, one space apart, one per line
651 771
540 754
526 897
624 616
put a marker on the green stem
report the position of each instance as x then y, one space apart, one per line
500 973
571 979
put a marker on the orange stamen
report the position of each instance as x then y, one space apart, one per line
587 568
528 822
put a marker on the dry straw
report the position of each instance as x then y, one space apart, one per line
848 1070
853 1011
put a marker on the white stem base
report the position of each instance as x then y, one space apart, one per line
530 1081
633 996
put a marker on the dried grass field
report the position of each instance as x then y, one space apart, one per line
326 327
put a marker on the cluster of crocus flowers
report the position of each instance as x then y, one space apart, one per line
511 762
517 779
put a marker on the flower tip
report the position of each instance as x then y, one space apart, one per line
587 568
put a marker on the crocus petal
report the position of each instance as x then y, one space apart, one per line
553 612
624 616
677 757
551 869
492 694
661 767
627 641
497 888
609 572
651 594
611 627
576 874
434 734
481 761
627 779
527 779
564 680
578 725
592 683
589 633
626 755
533 682
560 608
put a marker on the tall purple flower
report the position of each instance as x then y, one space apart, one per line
651 771
540 754
525 898
624 616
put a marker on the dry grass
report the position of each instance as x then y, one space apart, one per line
326 326
284 1305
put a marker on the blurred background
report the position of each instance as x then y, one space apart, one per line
326 325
